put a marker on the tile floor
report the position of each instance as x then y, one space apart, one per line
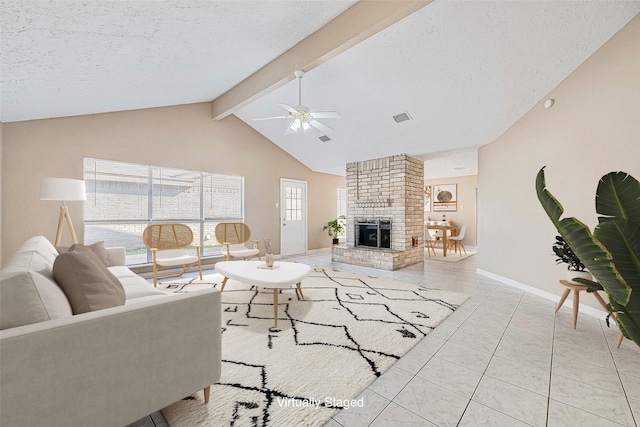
502 359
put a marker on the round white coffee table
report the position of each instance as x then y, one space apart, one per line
283 276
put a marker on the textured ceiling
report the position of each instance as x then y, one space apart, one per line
464 71
81 57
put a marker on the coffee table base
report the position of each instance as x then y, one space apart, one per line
275 297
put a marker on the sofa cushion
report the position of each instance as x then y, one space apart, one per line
28 293
86 282
134 285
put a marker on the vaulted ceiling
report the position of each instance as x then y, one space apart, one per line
464 71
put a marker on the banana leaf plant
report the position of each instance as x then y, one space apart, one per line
612 252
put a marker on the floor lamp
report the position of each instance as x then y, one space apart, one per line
65 190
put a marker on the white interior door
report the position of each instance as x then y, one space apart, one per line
293 217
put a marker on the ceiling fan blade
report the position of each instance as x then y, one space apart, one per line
321 126
326 115
270 118
289 108
291 129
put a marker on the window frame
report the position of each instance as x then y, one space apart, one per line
201 223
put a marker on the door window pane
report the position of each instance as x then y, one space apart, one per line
294 204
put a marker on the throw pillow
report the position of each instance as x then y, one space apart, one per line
86 282
98 249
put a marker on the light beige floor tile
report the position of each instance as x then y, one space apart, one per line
396 416
478 415
591 399
492 329
521 404
582 354
451 376
443 331
362 416
467 357
389 384
631 385
430 344
475 340
432 402
606 379
413 361
519 374
525 352
635 408
333 423
627 360
562 415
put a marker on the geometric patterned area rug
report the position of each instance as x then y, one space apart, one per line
324 352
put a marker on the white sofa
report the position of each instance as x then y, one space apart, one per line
109 367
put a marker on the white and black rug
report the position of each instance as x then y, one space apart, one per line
326 350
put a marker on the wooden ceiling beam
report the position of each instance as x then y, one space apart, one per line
357 23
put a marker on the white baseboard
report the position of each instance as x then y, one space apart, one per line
590 311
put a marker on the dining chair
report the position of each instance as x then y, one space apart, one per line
456 241
430 241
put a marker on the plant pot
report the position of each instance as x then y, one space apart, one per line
269 260
571 274
335 242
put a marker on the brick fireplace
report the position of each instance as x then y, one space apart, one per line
385 213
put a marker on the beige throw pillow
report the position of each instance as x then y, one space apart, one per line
97 248
86 282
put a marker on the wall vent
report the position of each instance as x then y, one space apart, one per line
402 117
324 138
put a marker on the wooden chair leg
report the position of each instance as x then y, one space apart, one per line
564 296
620 338
199 264
155 271
207 392
576 302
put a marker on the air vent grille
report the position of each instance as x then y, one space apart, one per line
403 117
324 138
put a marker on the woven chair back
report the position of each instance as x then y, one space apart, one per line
232 232
167 236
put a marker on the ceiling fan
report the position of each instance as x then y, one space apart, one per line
303 118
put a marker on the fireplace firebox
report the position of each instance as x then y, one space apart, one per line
373 233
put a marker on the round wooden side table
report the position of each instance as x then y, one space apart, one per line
576 288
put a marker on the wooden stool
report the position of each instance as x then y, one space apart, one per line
576 288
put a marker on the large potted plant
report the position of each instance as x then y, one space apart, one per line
612 252
565 255
335 227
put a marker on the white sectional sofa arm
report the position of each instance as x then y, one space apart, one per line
116 256
110 367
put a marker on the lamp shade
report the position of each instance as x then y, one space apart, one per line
62 189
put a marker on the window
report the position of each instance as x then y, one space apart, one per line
123 198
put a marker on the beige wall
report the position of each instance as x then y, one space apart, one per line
592 129
182 136
466 213
1 180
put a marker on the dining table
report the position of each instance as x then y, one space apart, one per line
444 227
